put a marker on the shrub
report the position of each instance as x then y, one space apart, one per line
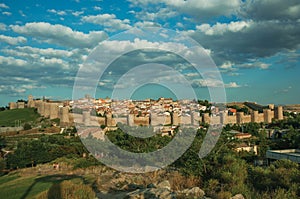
27 126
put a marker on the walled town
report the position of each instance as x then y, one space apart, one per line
161 112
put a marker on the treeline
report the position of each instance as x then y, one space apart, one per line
225 172
44 149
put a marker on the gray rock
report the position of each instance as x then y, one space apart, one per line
195 192
131 187
159 193
164 185
151 193
238 196
151 185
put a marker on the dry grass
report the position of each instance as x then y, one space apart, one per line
180 182
68 189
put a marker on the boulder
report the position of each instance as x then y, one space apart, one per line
194 192
164 185
151 185
238 196
151 193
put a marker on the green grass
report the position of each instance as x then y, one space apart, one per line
9 117
13 186
7 178
22 187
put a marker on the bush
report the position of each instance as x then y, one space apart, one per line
27 126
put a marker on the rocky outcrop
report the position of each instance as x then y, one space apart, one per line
164 185
194 192
151 193
163 191
160 185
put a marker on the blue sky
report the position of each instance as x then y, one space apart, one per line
254 43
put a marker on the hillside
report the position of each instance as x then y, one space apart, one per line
10 117
95 182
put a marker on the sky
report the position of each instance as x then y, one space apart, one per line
254 44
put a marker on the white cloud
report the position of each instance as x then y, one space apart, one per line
260 65
239 42
19 88
213 83
12 40
97 8
232 85
11 61
146 24
109 21
221 28
77 13
45 52
57 12
50 62
6 13
161 13
226 65
60 35
198 8
42 70
2 27
179 25
22 13
2 5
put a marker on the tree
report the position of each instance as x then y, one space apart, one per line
27 126
2 142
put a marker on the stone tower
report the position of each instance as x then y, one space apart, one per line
109 119
176 120
206 118
86 118
39 104
278 113
46 109
12 105
64 116
271 106
240 117
195 118
167 119
130 119
267 115
223 117
254 116
54 111
30 103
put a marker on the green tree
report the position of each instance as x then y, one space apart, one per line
27 126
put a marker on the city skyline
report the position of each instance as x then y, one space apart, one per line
254 44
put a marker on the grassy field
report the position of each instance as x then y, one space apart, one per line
14 186
9 117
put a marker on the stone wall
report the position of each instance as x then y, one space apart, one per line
231 119
20 105
240 118
141 121
12 105
9 129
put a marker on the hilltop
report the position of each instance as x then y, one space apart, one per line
17 116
